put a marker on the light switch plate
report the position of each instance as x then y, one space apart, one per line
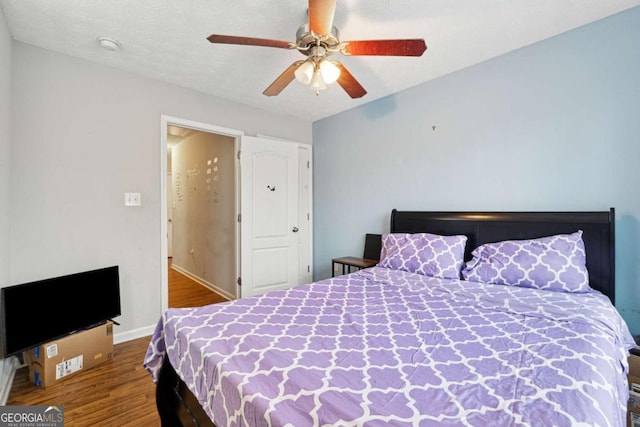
132 199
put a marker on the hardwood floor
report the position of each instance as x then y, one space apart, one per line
118 392
184 292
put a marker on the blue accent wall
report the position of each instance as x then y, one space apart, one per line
552 126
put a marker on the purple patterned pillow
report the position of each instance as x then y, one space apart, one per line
556 263
423 253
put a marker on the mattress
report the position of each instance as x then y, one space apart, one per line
383 347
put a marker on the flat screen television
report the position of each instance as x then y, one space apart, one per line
34 313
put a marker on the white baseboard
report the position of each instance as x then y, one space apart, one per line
203 282
147 331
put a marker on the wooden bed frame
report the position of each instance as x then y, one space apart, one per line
178 407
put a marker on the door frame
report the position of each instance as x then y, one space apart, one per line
165 122
169 216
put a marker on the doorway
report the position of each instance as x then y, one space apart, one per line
197 182
259 268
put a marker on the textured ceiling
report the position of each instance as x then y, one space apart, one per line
167 40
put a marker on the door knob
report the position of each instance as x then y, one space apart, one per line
294 229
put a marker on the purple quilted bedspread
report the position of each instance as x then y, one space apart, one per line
383 347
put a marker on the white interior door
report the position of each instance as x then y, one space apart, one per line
269 215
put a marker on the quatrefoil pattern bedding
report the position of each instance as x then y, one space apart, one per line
555 263
383 347
423 253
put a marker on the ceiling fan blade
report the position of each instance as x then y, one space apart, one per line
349 83
321 14
249 41
400 47
283 80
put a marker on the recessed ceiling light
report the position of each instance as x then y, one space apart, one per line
108 43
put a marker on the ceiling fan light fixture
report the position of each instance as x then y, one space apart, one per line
317 82
330 72
304 72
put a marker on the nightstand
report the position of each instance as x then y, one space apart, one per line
351 261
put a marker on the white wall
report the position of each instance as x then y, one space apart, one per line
5 119
203 210
7 366
553 126
82 135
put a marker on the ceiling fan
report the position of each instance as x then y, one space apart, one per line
318 40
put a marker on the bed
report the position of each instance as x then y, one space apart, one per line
445 330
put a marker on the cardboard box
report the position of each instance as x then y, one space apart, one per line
57 360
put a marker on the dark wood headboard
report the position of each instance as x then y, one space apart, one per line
486 227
